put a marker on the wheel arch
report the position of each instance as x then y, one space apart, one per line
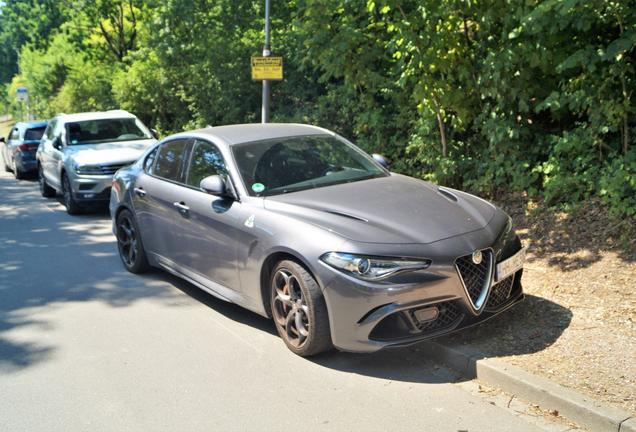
266 271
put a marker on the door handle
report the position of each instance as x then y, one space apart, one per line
140 191
181 207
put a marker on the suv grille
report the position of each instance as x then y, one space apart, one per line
500 293
476 277
100 169
448 316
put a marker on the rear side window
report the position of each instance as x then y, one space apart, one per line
206 161
15 134
170 160
34 134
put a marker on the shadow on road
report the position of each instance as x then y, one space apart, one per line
49 258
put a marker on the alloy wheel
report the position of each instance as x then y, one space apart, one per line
290 309
127 239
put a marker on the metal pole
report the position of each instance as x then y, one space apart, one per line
266 53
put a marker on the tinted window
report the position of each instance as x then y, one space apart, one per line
304 162
150 159
170 160
105 130
206 161
34 134
15 134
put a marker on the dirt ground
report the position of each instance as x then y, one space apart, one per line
577 325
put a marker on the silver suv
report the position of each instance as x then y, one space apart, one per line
79 153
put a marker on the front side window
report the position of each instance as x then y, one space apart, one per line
170 160
291 164
206 161
50 130
106 130
150 160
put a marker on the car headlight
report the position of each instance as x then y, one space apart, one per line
371 268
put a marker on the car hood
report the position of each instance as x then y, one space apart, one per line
108 153
394 209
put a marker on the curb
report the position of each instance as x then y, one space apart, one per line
581 409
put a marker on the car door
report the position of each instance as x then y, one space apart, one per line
209 226
12 142
50 156
156 189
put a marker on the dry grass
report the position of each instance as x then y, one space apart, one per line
578 323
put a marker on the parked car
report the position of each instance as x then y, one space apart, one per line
18 152
296 223
79 154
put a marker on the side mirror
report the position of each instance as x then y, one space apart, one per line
214 185
57 143
381 160
154 133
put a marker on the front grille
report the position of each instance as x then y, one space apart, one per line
476 277
448 316
100 169
500 293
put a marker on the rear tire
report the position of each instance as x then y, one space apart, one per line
46 190
72 206
131 248
19 175
299 310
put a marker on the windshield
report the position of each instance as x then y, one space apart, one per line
34 134
291 164
106 130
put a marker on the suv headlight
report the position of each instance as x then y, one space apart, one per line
372 268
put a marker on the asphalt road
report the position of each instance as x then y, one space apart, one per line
86 346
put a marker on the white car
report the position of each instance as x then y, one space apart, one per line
79 153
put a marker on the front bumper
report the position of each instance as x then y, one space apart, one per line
91 188
415 306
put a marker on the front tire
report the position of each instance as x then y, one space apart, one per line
131 248
46 190
299 310
72 206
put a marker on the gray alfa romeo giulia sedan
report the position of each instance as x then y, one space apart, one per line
298 224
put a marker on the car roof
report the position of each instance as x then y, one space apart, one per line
31 124
97 115
243 133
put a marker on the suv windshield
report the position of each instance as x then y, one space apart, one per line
106 130
291 164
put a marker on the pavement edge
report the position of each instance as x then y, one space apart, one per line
579 408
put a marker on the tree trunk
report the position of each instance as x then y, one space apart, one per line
440 124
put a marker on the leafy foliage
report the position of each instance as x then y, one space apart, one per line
493 96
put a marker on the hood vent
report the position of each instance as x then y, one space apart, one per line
447 194
347 215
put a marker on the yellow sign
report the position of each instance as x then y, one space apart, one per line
267 68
